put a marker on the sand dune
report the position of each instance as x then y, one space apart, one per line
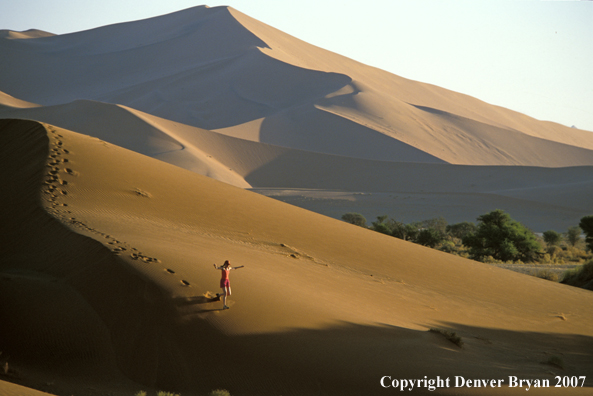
542 198
9 102
124 245
252 81
27 34
132 176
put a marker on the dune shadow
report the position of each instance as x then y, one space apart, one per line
350 359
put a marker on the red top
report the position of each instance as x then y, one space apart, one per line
225 274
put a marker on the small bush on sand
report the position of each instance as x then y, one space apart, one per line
162 393
140 393
451 336
220 392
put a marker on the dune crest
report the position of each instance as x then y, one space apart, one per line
27 34
8 102
252 81
542 198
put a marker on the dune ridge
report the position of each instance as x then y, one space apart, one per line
104 218
252 81
26 34
131 162
543 198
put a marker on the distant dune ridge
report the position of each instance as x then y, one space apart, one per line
217 69
126 161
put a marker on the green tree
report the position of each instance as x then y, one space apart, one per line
407 232
430 237
381 226
501 237
586 225
552 238
439 224
461 230
355 218
574 235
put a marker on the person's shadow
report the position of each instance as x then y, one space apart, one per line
197 304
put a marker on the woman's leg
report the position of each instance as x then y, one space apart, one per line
226 292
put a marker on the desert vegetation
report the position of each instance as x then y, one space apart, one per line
500 240
216 392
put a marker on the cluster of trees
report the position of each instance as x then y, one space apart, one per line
495 235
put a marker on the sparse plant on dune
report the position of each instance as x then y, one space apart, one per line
450 335
163 393
140 393
220 392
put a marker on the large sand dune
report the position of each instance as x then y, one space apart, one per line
127 157
542 198
218 69
107 267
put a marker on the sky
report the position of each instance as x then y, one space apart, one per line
535 57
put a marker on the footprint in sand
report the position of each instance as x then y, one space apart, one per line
184 282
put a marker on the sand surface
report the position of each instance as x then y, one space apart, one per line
124 245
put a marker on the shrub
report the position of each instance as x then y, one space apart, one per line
355 218
163 393
586 225
429 237
407 232
461 230
439 224
552 238
573 235
501 237
580 277
547 275
220 392
382 228
450 335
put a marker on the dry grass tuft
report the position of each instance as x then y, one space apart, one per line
450 335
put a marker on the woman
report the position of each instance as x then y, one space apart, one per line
225 282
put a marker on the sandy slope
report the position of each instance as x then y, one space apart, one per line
8 102
216 68
119 247
27 34
542 198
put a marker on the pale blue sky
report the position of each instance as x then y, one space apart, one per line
535 57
